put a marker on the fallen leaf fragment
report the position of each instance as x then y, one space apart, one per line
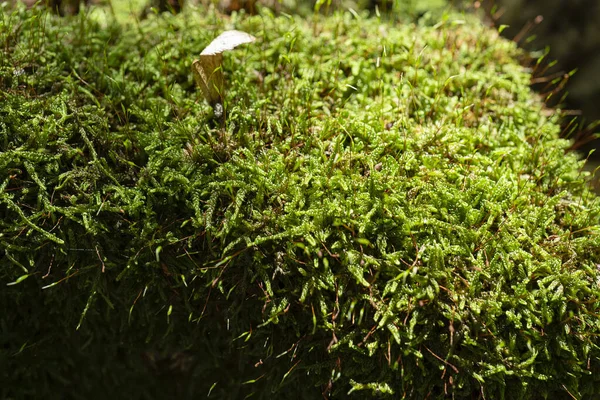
208 71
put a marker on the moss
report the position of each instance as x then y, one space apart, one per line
387 210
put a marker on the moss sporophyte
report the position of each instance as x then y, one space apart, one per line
387 210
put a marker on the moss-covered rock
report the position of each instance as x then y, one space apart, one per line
386 210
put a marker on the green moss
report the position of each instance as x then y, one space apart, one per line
387 209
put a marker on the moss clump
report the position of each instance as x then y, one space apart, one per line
386 210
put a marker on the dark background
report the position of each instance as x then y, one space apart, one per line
571 31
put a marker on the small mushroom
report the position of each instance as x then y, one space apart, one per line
208 71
